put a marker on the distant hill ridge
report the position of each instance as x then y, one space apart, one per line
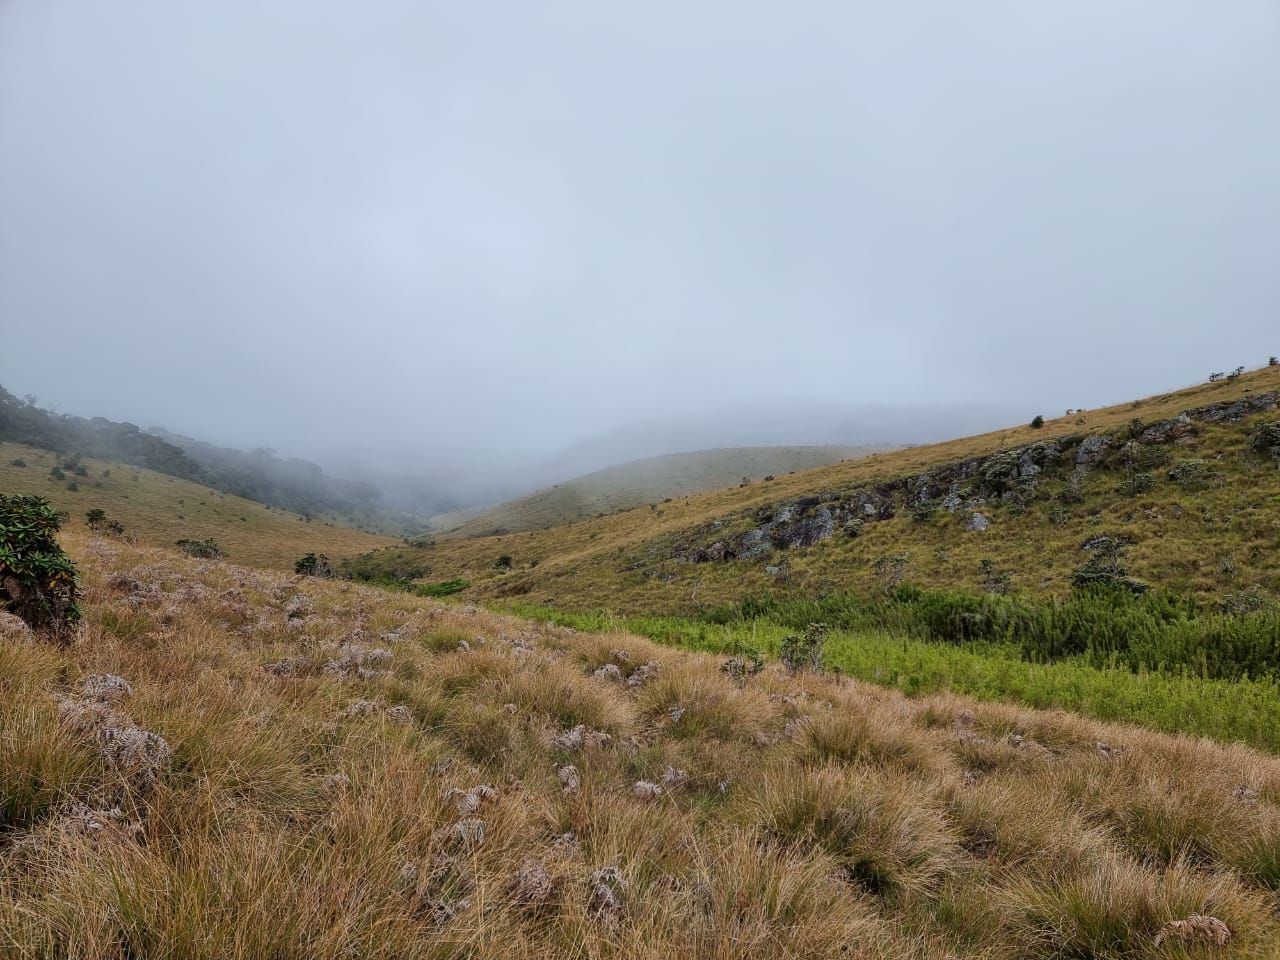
260 475
641 482
1180 491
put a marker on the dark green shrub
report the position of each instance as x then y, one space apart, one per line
1137 483
504 562
804 652
73 487
1266 442
37 579
201 549
1037 422
56 473
1105 569
17 462
315 565
1193 475
96 518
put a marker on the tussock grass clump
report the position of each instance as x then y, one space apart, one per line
469 788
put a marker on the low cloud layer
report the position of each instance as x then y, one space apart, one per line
463 237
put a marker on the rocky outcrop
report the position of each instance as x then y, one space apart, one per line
1092 449
1167 431
1232 411
1006 476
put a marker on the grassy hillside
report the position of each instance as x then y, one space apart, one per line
233 764
158 509
1196 512
640 483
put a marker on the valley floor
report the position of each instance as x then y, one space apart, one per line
229 763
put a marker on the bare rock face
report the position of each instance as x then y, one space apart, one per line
1092 449
1167 431
1229 411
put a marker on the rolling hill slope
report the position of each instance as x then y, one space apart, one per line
1189 505
155 508
639 483
237 765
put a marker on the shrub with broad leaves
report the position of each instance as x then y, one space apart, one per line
38 581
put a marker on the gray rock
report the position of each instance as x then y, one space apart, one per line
753 544
1092 449
1167 430
977 522
1232 410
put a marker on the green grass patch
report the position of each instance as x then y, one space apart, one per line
1174 701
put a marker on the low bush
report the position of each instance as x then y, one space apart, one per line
207 549
37 579
315 565
804 652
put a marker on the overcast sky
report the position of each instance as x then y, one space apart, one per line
409 229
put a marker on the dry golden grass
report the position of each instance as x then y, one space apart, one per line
159 510
347 773
1207 542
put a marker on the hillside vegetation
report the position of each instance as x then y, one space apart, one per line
288 483
232 764
1188 506
639 483
160 510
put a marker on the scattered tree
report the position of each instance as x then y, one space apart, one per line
96 518
315 565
